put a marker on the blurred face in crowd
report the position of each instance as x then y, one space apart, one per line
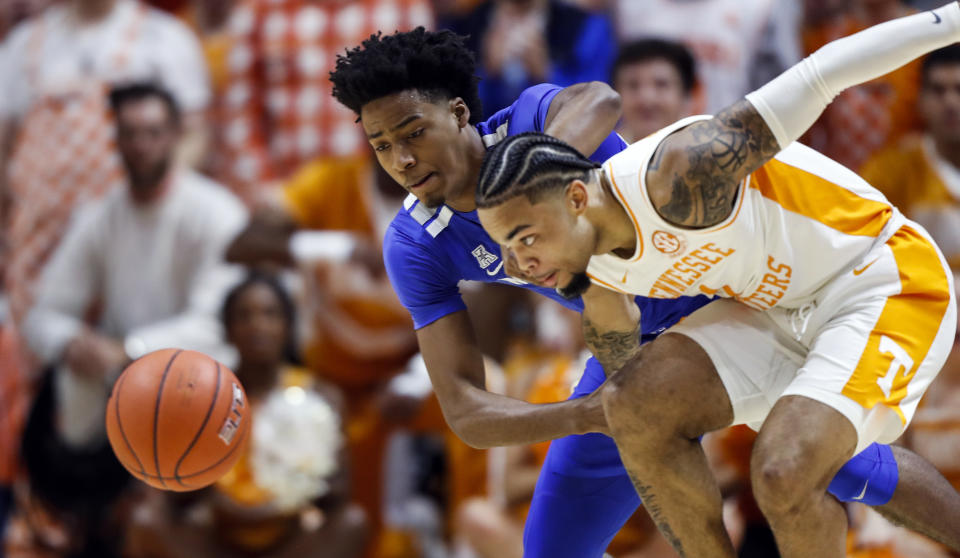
940 102
652 96
147 135
421 144
257 326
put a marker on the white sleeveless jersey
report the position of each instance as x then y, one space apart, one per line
798 221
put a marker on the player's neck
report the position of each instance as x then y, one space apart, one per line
466 200
948 150
615 231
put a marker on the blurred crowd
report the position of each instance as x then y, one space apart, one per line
176 173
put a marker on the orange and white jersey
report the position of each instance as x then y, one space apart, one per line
798 221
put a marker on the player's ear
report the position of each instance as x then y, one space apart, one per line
576 196
461 111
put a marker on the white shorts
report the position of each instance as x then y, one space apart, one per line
868 345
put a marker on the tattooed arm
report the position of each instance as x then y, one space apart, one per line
694 175
696 171
611 327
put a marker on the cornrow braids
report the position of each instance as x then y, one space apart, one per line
436 64
530 164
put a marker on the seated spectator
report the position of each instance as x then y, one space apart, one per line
287 496
520 43
655 79
921 173
56 133
328 221
137 271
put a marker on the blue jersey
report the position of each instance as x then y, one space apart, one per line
429 250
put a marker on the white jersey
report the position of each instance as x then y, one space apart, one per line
798 221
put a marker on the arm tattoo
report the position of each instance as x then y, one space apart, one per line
612 348
711 158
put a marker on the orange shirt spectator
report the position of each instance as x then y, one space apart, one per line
279 110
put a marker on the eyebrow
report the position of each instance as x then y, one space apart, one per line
515 230
402 123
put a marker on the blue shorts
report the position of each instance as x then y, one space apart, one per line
584 496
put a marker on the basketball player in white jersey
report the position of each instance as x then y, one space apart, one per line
839 311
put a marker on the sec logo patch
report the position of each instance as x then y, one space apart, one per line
669 243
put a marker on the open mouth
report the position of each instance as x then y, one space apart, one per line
422 181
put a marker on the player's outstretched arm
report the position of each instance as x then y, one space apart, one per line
483 419
693 177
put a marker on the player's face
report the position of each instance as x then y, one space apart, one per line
146 138
258 326
652 96
940 102
421 144
550 241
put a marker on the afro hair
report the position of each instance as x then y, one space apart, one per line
437 64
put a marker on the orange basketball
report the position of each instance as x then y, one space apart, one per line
177 420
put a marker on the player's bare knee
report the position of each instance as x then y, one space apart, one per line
779 483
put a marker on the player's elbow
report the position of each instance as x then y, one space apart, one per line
606 101
469 431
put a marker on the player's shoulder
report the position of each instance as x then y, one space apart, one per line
636 155
416 226
526 114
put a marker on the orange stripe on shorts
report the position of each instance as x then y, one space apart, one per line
907 326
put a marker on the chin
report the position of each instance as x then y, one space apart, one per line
575 287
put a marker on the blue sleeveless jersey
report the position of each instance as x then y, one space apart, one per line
429 250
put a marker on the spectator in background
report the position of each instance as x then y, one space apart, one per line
921 173
866 118
521 43
327 222
55 130
278 111
278 501
739 44
137 271
655 80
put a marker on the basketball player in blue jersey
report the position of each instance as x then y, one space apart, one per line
415 94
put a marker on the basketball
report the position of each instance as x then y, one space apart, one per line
177 420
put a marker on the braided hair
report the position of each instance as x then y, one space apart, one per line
530 164
436 64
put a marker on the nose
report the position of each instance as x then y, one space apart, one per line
526 262
402 158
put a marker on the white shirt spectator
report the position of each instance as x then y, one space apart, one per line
738 44
54 50
156 270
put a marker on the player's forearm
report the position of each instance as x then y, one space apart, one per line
583 115
792 102
485 420
611 327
